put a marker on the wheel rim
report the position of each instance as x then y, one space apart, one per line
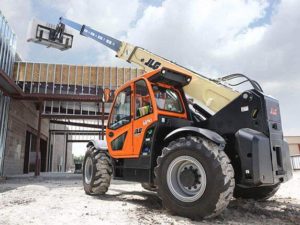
186 190
88 170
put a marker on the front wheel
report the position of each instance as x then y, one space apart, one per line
194 178
97 171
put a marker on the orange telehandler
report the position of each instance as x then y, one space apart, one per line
193 140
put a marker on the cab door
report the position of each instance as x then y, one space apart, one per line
144 115
119 128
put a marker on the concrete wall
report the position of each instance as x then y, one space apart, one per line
294 144
23 116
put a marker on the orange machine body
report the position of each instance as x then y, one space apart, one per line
135 129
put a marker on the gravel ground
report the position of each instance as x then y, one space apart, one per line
60 199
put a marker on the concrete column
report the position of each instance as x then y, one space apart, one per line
38 142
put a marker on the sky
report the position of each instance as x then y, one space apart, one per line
215 38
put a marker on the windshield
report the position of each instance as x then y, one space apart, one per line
121 110
167 99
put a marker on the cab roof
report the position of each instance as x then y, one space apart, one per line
168 76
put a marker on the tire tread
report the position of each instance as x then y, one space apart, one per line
103 172
220 160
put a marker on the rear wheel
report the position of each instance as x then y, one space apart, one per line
194 178
97 171
256 193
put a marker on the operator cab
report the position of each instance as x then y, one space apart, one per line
139 104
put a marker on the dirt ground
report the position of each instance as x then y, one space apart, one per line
60 199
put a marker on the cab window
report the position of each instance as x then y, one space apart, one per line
121 110
143 104
167 99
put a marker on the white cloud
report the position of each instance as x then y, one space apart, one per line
113 16
18 13
110 17
240 42
212 37
191 32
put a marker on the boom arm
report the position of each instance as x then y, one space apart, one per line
208 94
84 30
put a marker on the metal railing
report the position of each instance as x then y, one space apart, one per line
70 80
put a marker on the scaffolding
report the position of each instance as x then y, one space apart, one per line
67 94
78 89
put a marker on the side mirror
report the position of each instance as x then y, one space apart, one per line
106 94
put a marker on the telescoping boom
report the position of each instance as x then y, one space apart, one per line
206 92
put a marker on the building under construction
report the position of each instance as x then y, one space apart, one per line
44 108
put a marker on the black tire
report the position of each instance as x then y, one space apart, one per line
219 176
256 193
149 187
97 172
